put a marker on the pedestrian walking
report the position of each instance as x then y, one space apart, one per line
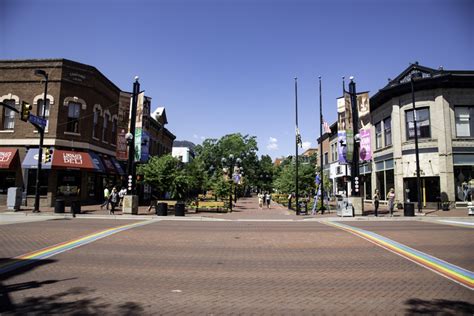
106 198
114 199
122 194
268 198
260 200
391 200
376 201
290 198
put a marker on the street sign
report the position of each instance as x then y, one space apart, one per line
37 120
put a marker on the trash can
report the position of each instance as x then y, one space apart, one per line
14 198
408 209
179 209
59 206
161 209
75 207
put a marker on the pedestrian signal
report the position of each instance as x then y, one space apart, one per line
48 154
25 111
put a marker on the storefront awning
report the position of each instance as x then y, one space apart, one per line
99 166
72 160
31 160
109 166
117 166
7 156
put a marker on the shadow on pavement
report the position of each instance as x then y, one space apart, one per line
439 307
66 302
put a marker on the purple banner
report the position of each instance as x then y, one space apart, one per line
341 150
365 152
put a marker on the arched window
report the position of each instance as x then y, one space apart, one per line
73 115
114 130
8 115
95 123
105 126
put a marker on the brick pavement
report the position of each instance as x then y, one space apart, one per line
449 243
232 267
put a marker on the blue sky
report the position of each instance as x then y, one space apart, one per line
228 66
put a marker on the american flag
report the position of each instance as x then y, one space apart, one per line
326 127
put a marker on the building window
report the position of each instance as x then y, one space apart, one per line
105 127
44 110
378 135
114 131
326 158
74 110
422 123
464 123
9 116
387 125
95 124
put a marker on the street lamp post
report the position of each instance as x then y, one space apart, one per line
414 76
321 150
230 173
296 147
130 139
355 156
40 73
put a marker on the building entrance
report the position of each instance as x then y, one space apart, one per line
430 190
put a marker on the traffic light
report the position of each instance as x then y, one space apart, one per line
47 154
25 111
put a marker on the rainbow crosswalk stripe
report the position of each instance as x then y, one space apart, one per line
29 258
446 269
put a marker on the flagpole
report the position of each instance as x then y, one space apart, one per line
321 152
296 147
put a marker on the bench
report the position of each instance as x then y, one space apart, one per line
218 206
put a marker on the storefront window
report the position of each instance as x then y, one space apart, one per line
380 183
7 180
464 183
91 186
44 176
69 183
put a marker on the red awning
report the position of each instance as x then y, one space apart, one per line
72 160
7 156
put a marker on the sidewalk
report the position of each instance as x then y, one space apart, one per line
245 209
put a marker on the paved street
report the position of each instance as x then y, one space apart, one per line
261 262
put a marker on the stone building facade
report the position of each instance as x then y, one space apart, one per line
444 102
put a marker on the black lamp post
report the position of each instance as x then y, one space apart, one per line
414 76
40 73
355 156
321 150
297 138
130 139
231 160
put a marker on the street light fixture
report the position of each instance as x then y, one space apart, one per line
229 170
416 75
40 73
130 136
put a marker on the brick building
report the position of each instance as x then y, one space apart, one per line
85 112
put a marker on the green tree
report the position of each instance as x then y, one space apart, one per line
284 180
159 172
